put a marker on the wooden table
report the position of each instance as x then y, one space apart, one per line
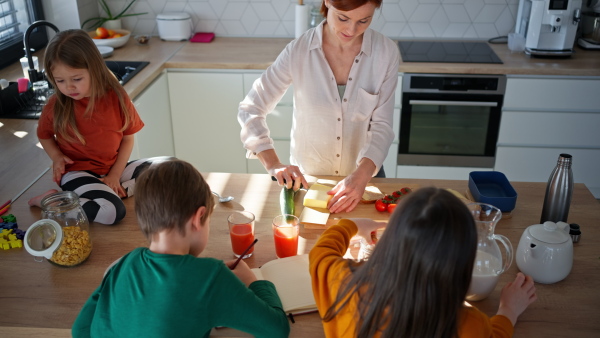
40 299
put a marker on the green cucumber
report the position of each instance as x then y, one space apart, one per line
286 201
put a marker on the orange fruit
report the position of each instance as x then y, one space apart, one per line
118 35
102 32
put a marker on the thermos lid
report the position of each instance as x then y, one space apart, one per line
549 232
43 238
173 16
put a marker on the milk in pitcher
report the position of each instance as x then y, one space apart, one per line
485 276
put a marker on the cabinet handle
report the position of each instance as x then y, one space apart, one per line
453 103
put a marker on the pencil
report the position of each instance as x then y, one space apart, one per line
5 204
243 254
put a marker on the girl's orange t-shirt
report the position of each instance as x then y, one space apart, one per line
100 129
328 269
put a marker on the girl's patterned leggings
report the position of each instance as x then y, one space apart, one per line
100 203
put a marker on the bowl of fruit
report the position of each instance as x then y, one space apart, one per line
108 37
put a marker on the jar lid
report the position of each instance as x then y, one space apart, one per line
173 16
43 238
549 232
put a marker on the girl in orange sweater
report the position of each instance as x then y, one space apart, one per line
415 282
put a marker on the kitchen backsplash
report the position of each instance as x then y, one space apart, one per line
443 19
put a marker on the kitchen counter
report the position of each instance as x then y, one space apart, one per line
156 51
41 299
259 53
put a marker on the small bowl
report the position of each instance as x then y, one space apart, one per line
492 187
112 42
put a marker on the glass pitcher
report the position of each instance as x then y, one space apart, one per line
489 264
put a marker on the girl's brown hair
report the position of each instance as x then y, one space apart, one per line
347 5
167 195
76 49
416 280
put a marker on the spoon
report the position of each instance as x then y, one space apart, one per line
223 199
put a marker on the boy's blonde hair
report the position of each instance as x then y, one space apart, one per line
76 49
167 195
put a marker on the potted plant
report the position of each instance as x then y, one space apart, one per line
99 21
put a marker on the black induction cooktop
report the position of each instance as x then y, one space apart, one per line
447 51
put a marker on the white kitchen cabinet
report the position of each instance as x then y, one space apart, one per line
153 106
543 117
204 107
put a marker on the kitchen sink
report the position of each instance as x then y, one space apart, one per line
125 70
29 105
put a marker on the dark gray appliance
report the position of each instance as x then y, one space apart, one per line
447 51
450 120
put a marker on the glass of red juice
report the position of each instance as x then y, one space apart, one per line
241 231
285 234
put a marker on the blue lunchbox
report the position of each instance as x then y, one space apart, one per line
492 187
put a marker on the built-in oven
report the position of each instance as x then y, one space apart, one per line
450 120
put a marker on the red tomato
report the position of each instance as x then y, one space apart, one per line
380 205
391 207
397 193
405 190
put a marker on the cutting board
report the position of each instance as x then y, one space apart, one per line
322 219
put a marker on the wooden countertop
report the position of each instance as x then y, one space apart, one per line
259 53
41 299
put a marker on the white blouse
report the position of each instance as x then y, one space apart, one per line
329 135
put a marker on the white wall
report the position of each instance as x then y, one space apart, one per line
464 19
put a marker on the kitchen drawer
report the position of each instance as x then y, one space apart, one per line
530 164
550 129
249 78
553 94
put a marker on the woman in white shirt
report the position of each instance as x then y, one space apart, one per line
344 76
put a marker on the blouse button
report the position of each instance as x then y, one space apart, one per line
336 172
345 100
338 155
339 119
356 60
350 79
338 137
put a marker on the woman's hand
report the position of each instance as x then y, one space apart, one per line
58 167
290 174
348 193
114 183
243 272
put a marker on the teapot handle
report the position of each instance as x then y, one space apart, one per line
509 251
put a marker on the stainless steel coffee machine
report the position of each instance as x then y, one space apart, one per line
549 26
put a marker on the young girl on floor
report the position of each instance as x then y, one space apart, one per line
415 281
87 129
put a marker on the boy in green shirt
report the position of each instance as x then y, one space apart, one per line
166 290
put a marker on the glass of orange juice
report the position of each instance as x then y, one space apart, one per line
285 234
241 231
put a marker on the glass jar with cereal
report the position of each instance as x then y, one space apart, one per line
62 236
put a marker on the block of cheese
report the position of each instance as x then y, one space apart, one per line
316 196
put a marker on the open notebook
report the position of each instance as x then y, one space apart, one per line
292 281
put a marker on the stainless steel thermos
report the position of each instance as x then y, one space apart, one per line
557 200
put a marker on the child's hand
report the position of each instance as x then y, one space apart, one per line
114 184
243 272
58 167
516 296
366 226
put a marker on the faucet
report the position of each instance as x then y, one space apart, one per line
33 73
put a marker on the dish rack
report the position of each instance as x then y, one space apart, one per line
26 105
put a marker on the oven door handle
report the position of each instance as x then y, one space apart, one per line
453 103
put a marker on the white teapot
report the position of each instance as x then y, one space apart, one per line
545 252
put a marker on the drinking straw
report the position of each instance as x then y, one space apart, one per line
243 254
